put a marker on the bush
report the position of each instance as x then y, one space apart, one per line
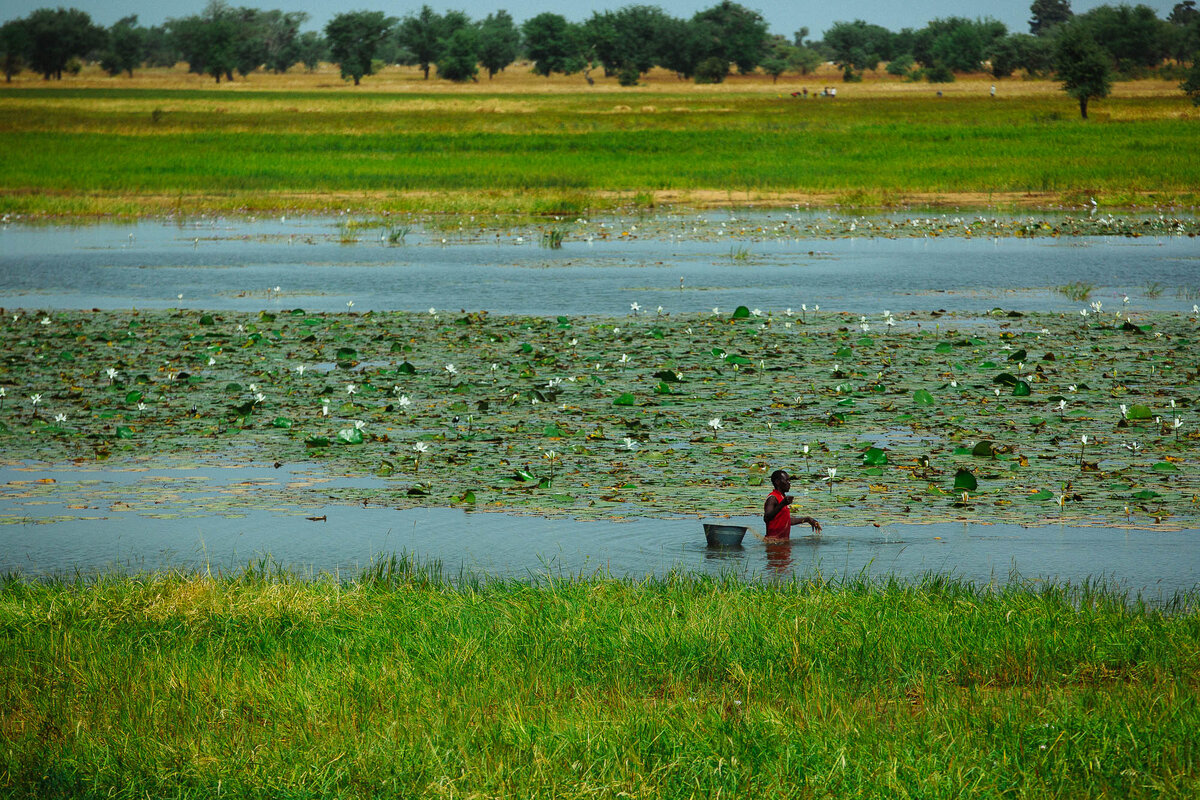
712 70
629 76
939 73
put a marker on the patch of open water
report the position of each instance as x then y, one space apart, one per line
79 522
306 262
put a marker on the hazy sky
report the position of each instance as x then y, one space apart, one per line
782 16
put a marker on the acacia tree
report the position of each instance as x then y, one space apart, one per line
553 44
14 47
55 36
353 38
1082 65
459 59
498 42
1047 14
208 42
739 35
126 43
422 34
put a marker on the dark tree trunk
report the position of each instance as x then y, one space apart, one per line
1083 106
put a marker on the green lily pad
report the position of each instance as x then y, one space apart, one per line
1021 389
124 433
350 436
964 480
1040 494
1165 466
1139 411
922 398
625 399
875 457
281 422
983 448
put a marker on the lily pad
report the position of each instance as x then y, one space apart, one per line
965 480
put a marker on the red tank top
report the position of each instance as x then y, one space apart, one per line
780 526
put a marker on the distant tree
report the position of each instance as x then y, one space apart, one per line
779 58
125 48
1082 65
739 34
353 38
858 45
1047 14
311 49
1191 81
58 35
630 39
159 48
1185 31
459 59
499 41
956 43
208 42
713 69
250 40
14 47
805 59
280 33
684 44
1133 35
901 65
553 44
422 34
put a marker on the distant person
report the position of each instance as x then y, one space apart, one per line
777 511
833 92
939 92
993 90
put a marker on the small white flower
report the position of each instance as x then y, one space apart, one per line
45 321
1071 388
212 361
349 304
816 308
634 307
141 406
997 391
451 369
300 369
351 389
60 418
259 397
359 424
630 444
830 474
573 342
1177 423
36 398
804 449
325 409
241 329
624 358
715 423
404 402
757 312
660 310
112 373
954 384
1062 404
253 388
804 306
550 454
420 447
1083 439
716 310
1124 410
432 311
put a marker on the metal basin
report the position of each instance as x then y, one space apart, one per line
724 535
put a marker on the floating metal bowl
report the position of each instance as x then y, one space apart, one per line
724 535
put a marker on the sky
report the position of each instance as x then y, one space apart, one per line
782 16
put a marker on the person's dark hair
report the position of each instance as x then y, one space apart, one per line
776 475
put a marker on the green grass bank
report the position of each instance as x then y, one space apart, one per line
401 683
136 152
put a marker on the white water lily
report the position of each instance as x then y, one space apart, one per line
359 424
451 369
60 418
45 321
1083 439
403 401
300 369
35 399
259 397
1071 388
1124 411
715 423
420 447
634 307
212 362
112 374
351 389
141 406
325 409
349 304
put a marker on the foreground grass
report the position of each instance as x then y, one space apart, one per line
402 684
145 151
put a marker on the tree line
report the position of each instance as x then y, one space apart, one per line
225 40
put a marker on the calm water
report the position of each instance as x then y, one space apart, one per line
199 528
238 264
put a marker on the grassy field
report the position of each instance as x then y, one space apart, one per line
167 142
401 684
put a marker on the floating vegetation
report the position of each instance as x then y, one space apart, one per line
605 417
1076 290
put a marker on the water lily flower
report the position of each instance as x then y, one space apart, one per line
60 418
212 362
830 475
349 304
432 311
1071 388
953 384
45 321
112 374
253 388
757 312
403 401
634 307
816 309
997 391
1083 312
660 310
359 424
835 366
865 327
420 447
141 406
1195 308
624 358
1096 306
1125 299
325 409
1124 411
572 343
715 423
35 398
259 397
1133 447
241 328
630 444
351 389
451 369
300 369
716 310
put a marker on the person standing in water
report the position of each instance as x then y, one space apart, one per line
777 511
